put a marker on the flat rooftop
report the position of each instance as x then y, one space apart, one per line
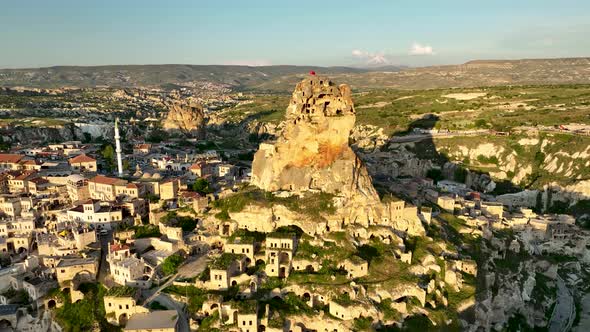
161 319
75 261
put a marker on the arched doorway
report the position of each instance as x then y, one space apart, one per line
123 319
5 324
82 277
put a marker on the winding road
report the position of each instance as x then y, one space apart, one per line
564 312
191 268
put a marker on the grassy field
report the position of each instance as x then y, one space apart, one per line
33 122
397 111
96 98
499 108
264 108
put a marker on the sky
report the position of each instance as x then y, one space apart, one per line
296 32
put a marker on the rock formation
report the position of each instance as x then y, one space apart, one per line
312 151
185 117
313 154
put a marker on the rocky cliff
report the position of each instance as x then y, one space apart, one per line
552 166
27 134
312 152
187 118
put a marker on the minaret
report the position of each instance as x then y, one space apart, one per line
118 148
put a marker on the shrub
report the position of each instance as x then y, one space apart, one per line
202 187
171 264
144 231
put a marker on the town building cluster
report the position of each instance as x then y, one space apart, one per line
67 218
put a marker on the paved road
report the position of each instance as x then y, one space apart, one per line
168 302
103 271
420 137
190 269
193 267
564 311
158 290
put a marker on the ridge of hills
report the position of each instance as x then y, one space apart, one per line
279 79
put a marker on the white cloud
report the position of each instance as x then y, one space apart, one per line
359 53
419 49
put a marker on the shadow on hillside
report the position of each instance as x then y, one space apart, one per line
241 139
420 139
240 130
421 132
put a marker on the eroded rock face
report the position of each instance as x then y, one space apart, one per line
312 152
185 117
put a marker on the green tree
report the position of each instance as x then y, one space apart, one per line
147 231
202 186
87 138
4 146
108 153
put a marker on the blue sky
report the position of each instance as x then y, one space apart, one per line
59 32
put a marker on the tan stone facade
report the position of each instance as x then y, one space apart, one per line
119 309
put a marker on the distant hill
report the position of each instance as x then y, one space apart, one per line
282 78
470 74
236 77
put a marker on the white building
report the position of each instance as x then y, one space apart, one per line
127 269
92 212
451 186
